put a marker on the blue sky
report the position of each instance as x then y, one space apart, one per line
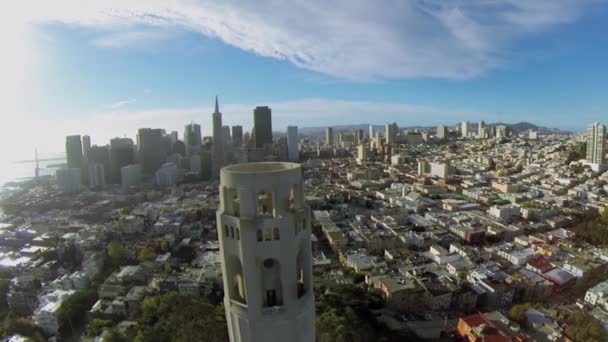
113 66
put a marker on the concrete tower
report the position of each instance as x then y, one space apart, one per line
329 136
596 143
218 141
264 233
292 143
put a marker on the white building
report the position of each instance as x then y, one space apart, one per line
598 295
69 180
167 175
465 129
505 212
97 176
46 315
442 132
441 170
293 153
596 144
361 153
264 230
130 175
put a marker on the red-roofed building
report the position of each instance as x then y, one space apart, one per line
488 327
539 265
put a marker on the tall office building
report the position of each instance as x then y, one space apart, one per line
264 231
596 143
226 135
293 153
465 129
218 141
130 175
99 155
97 175
442 132
73 151
122 153
501 131
174 136
358 136
481 130
329 136
151 149
262 126
86 146
192 138
392 130
371 132
237 136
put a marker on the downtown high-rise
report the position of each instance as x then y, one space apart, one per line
262 126
218 141
596 143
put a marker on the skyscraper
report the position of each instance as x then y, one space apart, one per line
192 138
226 135
151 149
73 151
464 129
481 130
392 130
292 143
371 132
264 231
358 136
262 126
86 146
329 136
596 143
218 141
237 136
122 153
99 156
442 132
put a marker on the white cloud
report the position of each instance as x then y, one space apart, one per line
122 103
353 39
130 38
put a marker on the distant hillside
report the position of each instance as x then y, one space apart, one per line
516 127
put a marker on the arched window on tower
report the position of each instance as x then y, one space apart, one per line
301 283
259 235
272 294
276 234
232 232
267 234
236 288
265 204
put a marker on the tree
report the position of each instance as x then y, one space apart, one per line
147 254
344 312
4 283
117 253
583 327
181 317
72 311
97 326
24 327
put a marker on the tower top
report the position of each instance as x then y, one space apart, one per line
217 106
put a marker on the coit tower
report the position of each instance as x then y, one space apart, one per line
264 233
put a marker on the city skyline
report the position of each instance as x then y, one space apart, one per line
102 67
